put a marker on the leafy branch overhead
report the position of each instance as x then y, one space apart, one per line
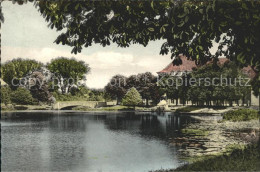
188 27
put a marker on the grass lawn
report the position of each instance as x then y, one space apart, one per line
247 159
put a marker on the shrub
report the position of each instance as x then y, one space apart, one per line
132 98
5 95
21 96
21 107
241 115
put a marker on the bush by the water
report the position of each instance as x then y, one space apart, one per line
241 115
21 96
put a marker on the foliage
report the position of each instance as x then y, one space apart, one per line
146 85
241 115
191 24
132 98
17 69
116 88
174 87
5 95
226 86
238 160
21 96
68 71
81 94
97 95
39 86
68 97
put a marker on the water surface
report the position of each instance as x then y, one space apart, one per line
90 142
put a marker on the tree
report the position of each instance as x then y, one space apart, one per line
68 71
225 87
21 96
38 86
132 98
116 88
146 85
12 71
5 95
168 85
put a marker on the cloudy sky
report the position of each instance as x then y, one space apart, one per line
25 34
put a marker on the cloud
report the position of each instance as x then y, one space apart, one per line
103 64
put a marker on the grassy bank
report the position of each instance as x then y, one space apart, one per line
112 108
247 159
24 107
188 109
194 108
241 115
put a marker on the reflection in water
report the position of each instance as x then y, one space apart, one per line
90 142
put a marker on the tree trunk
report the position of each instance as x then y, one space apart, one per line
230 103
146 102
117 101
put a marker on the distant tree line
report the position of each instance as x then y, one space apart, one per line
179 91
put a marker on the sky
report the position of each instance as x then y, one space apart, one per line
25 34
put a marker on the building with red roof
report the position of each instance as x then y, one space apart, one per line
187 66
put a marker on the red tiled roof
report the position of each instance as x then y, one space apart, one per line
188 65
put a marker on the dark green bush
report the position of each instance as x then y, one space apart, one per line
5 95
21 96
241 115
21 107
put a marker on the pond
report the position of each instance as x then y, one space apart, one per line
75 141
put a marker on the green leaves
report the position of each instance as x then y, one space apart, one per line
181 24
18 68
68 68
241 58
162 29
152 5
132 98
238 23
151 29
